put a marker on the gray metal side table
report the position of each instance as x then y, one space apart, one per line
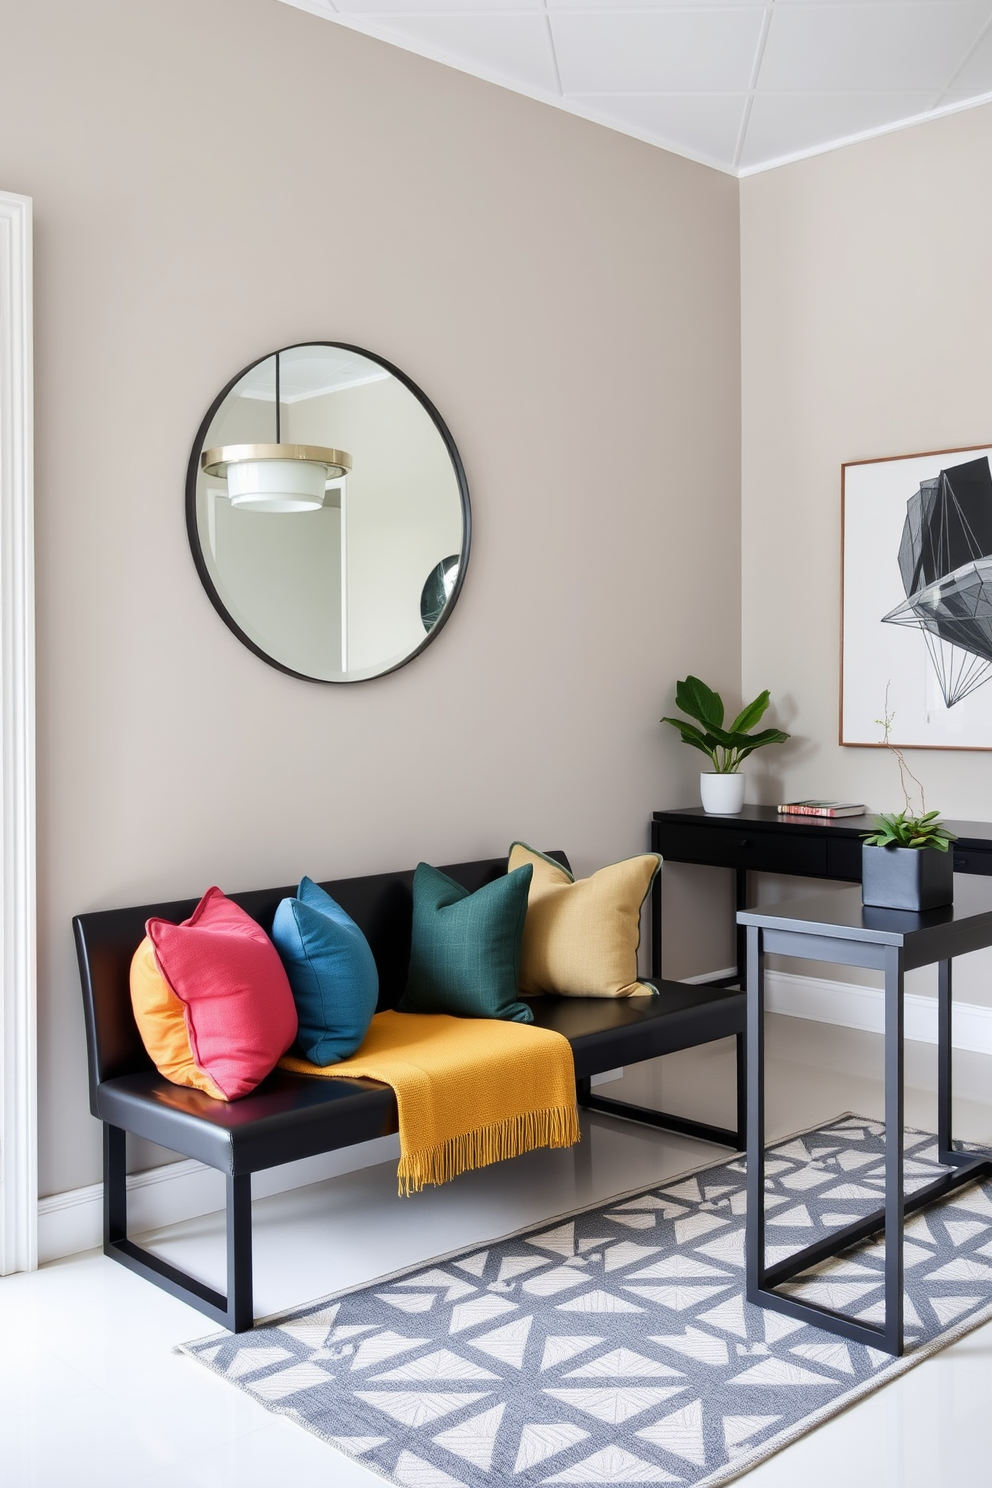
838 928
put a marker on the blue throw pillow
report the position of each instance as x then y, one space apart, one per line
465 950
331 970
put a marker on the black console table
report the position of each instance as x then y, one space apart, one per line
838 928
759 840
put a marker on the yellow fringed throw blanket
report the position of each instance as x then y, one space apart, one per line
470 1091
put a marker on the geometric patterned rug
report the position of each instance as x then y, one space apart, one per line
614 1345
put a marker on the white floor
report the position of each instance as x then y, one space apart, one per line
91 1392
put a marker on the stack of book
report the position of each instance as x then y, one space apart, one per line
822 808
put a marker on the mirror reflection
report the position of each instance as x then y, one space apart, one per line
328 513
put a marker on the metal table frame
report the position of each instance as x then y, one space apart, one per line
837 928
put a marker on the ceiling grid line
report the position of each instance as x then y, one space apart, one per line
551 43
964 62
759 56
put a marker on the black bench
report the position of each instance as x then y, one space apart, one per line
293 1116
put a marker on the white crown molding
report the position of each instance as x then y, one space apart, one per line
262 396
18 1038
866 134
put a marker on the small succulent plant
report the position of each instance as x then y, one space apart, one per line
906 828
900 829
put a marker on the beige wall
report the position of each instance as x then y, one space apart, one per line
215 178
866 331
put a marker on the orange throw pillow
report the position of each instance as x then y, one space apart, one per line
212 1000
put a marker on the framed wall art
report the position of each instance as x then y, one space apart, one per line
917 600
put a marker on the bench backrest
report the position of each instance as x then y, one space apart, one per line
381 904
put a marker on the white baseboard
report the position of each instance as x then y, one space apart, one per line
853 1006
73 1221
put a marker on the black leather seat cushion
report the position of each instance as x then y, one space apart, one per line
608 1031
287 1117
290 1116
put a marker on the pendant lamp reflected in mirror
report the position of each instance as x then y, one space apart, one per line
276 477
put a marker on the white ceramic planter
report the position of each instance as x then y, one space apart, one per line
721 794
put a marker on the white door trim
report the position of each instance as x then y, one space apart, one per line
18 960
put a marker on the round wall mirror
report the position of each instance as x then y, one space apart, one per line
328 513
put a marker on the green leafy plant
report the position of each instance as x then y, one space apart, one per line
727 748
900 829
908 827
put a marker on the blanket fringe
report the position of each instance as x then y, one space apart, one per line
558 1126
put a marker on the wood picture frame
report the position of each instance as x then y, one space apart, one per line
916 600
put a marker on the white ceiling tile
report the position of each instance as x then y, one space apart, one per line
874 46
705 125
661 51
384 8
782 124
514 49
676 71
827 4
610 7
891 5
976 74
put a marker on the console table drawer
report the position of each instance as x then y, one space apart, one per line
844 859
730 847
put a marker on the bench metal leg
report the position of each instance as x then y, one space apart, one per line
240 1313
235 1311
628 1111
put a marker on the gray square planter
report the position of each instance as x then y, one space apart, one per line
906 877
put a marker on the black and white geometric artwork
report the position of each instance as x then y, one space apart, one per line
945 558
614 1345
918 531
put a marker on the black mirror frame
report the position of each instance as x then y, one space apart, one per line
196 549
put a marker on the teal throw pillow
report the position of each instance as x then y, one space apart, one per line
465 950
331 970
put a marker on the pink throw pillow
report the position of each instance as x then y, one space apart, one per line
240 1012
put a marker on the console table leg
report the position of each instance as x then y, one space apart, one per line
945 1080
740 876
755 1232
656 927
741 1042
894 1142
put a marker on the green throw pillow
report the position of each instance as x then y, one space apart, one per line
465 948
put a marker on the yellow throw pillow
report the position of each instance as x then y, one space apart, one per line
581 936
